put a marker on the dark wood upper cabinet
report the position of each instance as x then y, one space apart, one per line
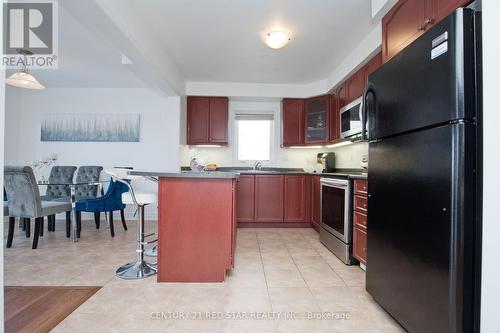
342 95
317 120
269 198
442 8
409 19
402 25
354 86
293 122
198 115
218 120
207 120
370 67
295 199
334 118
246 198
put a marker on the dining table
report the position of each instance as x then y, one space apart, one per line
73 199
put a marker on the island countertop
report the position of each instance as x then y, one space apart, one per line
186 174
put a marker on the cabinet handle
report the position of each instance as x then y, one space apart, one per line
425 24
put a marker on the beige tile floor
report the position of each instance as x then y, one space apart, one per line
277 271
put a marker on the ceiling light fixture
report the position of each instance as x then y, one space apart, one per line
23 79
277 39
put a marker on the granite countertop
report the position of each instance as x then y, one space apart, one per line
344 173
186 174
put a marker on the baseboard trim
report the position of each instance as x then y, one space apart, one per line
274 225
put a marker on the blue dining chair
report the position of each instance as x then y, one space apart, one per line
109 202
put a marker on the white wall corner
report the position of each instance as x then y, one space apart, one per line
368 47
263 90
381 7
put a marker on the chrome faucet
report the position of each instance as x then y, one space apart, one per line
257 165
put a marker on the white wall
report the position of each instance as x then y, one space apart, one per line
2 116
158 148
490 297
346 157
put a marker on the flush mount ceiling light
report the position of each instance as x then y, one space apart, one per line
277 39
23 79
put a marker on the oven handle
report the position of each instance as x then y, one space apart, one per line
334 182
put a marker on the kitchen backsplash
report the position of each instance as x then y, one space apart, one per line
345 156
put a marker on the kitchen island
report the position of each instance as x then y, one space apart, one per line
196 225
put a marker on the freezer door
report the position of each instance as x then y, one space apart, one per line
418 243
430 82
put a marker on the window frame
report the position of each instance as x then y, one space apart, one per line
235 129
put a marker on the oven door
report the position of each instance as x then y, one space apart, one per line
350 118
335 203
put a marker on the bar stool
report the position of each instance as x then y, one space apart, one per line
138 269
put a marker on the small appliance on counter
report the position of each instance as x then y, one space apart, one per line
327 160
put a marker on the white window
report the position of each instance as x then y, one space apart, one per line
254 136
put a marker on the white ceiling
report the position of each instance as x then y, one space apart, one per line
221 40
85 60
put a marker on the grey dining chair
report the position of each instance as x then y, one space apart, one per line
25 201
59 174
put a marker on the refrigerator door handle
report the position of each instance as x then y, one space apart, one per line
370 89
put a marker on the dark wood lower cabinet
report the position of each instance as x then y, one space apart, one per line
246 198
315 202
281 198
269 198
296 198
359 245
360 219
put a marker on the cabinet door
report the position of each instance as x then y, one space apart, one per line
334 118
342 96
402 25
198 113
317 118
442 8
370 67
295 199
269 198
218 120
293 122
246 198
316 200
359 245
354 87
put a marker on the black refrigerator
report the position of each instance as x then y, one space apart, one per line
424 228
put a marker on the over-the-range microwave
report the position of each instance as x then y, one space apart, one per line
351 117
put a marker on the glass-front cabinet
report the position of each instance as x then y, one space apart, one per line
317 113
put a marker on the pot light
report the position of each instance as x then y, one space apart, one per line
277 39
23 79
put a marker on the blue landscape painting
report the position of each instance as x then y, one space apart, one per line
95 127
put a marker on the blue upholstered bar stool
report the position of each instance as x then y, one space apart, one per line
138 269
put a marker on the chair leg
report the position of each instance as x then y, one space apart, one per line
38 223
78 224
22 224
27 224
41 226
97 219
68 224
10 236
122 215
51 223
111 227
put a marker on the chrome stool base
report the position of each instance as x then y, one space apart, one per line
136 270
151 252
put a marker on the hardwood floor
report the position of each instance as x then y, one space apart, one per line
40 309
